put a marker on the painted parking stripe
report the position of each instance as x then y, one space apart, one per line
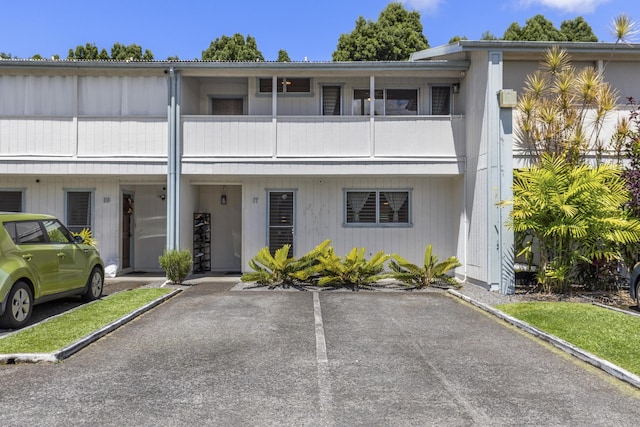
321 345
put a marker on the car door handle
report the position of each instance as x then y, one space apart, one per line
60 254
27 257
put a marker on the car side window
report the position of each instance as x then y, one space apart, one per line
57 232
29 232
11 229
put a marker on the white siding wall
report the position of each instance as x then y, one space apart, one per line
232 136
46 136
116 95
476 176
122 136
623 76
323 137
37 95
320 213
47 196
329 136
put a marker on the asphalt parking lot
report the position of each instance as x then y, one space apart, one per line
211 356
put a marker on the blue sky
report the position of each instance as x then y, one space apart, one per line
305 29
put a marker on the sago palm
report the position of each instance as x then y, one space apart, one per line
430 273
354 270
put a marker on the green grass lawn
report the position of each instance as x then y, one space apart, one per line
59 332
608 334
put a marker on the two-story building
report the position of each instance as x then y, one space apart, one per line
389 156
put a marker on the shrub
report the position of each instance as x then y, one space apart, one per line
87 236
281 269
353 271
430 273
176 264
573 214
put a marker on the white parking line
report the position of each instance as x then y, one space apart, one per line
321 345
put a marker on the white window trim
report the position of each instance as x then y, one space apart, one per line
91 204
321 86
450 86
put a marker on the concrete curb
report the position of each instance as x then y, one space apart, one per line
583 355
85 341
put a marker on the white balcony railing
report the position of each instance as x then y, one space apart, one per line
323 137
236 137
143 137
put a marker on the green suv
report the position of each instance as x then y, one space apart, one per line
40 260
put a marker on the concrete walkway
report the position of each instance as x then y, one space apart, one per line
211 356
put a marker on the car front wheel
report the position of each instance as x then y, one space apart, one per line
95 285
19 307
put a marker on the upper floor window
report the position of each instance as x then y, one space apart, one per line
286 85
441 100
79 210
389 102
227 106
331 100
377 207
10 201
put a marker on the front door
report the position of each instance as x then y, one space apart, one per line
281 220
127 220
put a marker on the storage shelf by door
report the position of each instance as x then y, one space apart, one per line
201 242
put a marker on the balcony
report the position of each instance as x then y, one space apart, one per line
113 137
216 138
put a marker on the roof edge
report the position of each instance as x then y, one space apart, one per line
523 46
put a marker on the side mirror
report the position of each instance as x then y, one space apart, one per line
78 239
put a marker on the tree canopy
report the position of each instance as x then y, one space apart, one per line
393 37
538 28
283 56
87 52
133 51
119 52
234 48
577 30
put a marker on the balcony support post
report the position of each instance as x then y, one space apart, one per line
372 114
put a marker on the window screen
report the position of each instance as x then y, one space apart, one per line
10 201
440 100
227 106
78 210
331 105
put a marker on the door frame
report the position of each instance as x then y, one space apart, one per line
125 216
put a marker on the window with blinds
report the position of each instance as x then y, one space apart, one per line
440 100
377 207
331 101
79 210
10 201
281 220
